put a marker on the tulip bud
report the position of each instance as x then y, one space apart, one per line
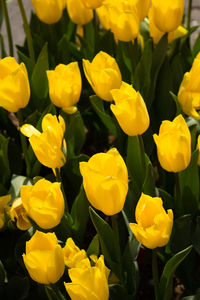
44 258
47 11
189 91
4 208
174 145
78 13
19 214
44 203
89 283
154 225
14 85
130 110
103 75
49 145
74 257
105 180
167 14
65 86
124 19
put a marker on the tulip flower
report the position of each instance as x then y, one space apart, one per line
78 12
74 257
47 11
130 110
167 14
14 85
124 19
103 75
174 145
49 145
44 203
89 283
93 4
4 208
143 8
103 16
65 86
105 180
189 91
19 214
154 225
44 258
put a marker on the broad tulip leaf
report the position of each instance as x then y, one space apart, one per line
94 247
149 187
168 272
107 120
4 161
107 240
39 79
178 106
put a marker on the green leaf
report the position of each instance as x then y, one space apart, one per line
18 288
149 187
178 106
107 120
196 239
4 161
168 272
80 215
2 46
94 247
107 240
39 81
189 185
26 60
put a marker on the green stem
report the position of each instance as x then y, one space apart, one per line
155 274
59 179
54 293
189 14
8 28
142 151
28 32
117 245
23 143
178 203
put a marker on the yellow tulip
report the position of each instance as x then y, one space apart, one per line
44 203
19 214
189 91
154 225
103 16
93 4
174 145
124 19
49 145
105 180
78 13
4 208
47 11
65 86
74 257
130 110
103 75
44 258
167 14
156 34
14 85
89 283
143 8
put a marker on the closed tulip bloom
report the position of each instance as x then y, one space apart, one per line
49 145
65 86
14 85
154 225
44 258
105 180
130 110
44 203
4 208
74 257
189 91
47 11
93 4
89 283
103 16
167 14
124 19
19 214
174 145
103 75
143 8
78 12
